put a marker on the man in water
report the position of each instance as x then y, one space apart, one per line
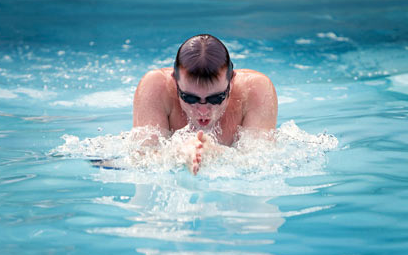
203 91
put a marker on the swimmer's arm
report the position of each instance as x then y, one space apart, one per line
149 110
149 103
261 107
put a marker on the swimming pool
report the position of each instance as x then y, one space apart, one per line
335 181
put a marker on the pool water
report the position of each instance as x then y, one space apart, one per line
334 181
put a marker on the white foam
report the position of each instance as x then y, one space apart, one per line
339 88
303 41
63 103
237 55
233 45
334 58
127 79
250 162
7 58
103 99
6 115
286 100
402 79
7 94
37 94
333 36
126 47
33 93
399 83
151 231
236 50
41 67
375 82
164 62
301 67
265 48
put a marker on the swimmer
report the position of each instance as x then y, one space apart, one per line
204 91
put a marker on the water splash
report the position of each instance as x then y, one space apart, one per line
258 164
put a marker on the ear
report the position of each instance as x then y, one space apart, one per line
232 79
175 74
233 74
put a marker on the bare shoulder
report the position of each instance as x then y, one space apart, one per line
156 86
255 85
156 79
260 103
251 79
153 98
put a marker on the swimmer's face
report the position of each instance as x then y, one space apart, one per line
204 105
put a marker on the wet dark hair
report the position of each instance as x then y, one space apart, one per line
203 56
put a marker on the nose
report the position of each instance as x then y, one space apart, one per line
203 109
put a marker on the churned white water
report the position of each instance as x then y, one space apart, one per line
262 163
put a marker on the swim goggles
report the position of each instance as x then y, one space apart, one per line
213 99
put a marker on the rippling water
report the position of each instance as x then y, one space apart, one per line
333 182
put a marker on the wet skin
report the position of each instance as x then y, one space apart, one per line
251 104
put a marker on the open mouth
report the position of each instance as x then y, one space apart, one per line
203 122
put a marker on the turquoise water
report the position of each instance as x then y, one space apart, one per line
335 181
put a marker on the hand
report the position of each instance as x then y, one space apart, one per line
194 150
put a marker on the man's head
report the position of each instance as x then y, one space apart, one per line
203 72
203 57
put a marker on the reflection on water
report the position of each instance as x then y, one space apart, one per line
171 215
181 215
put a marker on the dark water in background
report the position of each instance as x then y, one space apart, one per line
158 24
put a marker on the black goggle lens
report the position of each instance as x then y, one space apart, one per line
214 99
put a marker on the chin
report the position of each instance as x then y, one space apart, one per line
199 125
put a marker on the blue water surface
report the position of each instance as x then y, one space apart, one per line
71 67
